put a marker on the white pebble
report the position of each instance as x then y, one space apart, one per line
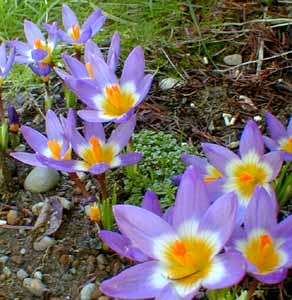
38 275
44 243
21 274
86 292
35 286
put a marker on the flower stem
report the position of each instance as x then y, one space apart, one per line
102 184
78 53
252 289
79 183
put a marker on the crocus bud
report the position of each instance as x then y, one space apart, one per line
13 118
3 136
94 214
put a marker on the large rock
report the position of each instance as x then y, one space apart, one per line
41 179
233 59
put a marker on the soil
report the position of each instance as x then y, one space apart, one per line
192 110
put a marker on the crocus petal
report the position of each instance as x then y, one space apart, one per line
272 278
94 129
95 21
168 215
69 166
114 52
199 163
53 127
32 32
20 47
289 128
227 269
284 229
3 55
142 227
144 87
38 54
218 156
27 158
78 142
65 37
91 49
85 36
274 160
275 127
286 247
261 211
102 73
151 203
251 139
76 68
138 282
122 134
121 245
128 159
168 292
191 199
214 220
68 17
86 91
36 140
63 75
10 62
270 143
99 168
134 67
93 116
23 60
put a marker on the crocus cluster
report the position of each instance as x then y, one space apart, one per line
222 226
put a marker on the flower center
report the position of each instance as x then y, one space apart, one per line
98 153
188 260
212 175
94 213
116 101
262 253
89 70
39 44
75 34
56 148
247 176
287 145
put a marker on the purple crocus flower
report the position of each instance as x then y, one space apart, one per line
210 175
6 62
265 245
54 146
41 69
13 119
253 167
37 49
110 99
79 70
97 154
121 244
281 138
75 34
183 256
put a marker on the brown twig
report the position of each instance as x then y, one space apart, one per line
101 179
79 183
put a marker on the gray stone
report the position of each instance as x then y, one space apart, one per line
43 243
36 208
66 203
87 291
41 179
35 286
7 272
169 83
233 59
21 274
3 259
38 275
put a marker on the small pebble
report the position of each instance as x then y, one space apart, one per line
3 259
2 277
169 83
35 286
103 298
233 59
66 259
21 274
12 217
38 275
7 272
17 260
44 243
22 251
66 203
87 291
101 259
41 179
36 208
73 271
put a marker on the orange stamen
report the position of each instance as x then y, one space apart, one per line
75 32
245 177
114 95
96 149
265 240
55 149
38 43
179 248
94 214
290 141
89 70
